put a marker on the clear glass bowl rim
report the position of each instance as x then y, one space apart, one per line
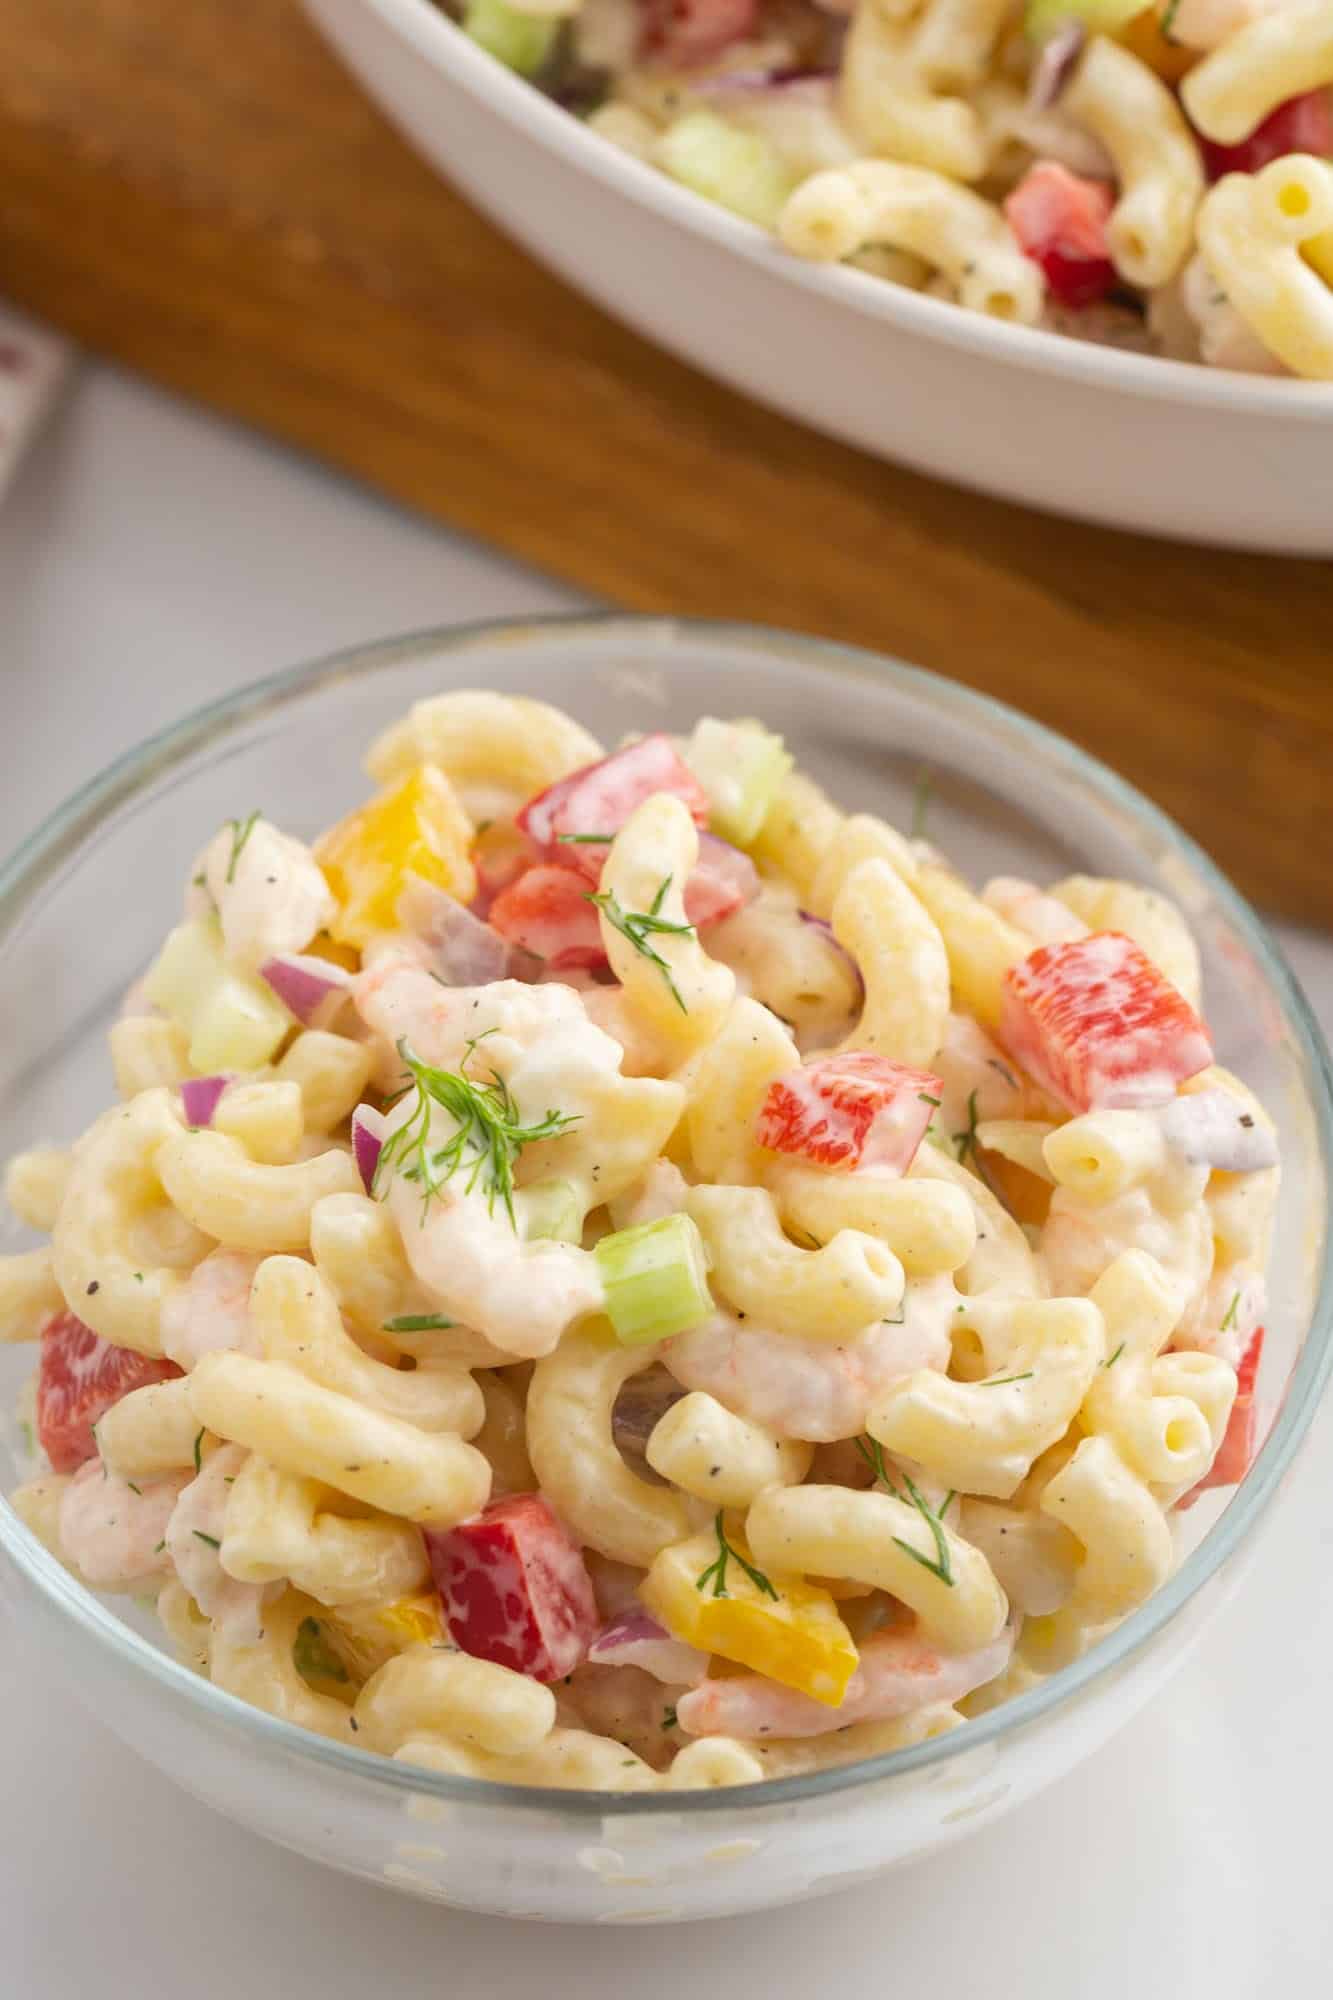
64 833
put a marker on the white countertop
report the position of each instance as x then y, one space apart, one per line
151 558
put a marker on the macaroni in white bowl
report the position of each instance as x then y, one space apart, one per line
1156 176
605 1272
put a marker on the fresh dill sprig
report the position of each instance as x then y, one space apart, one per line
942 1567
417 1323
966 1141
487 1138
585 839
212 1540
669 1717
872 1451
717 1570
998 1381
241 829
926 1098
1115 1357
1232 1310
198 1451
1168 21
993 1062
639 925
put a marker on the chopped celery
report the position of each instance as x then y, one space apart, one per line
740 765
655 1277
1099 17
738 170
234 1018
520 41
552 1210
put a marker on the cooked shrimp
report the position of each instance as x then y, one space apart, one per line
400 1001
1045 918
211 1311
899 1672
1080 1240
193 1534
811 1389
113 1530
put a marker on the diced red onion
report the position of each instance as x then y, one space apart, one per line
635 1639
199 1098
1212 1128
822 924
367 1142
311 988
1055 65
466 951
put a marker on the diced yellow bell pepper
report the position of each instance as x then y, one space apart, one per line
323 946
364 1636
795 1636
415 827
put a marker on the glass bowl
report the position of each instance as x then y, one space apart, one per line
83 907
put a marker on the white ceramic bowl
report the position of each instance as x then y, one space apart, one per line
1124 439
82 909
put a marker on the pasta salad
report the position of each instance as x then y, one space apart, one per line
604 1271
1153 176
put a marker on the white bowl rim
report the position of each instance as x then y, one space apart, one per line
41 859
442 44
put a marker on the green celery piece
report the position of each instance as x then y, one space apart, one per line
520 41
738 170
655 1279
740 765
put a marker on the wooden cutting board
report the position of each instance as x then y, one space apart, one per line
199 191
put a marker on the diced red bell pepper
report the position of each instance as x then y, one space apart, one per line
676 33
1235 1454
853 1110
79 1377
547 912
601 797
1301 125
1096 1024
1059 219
515 1588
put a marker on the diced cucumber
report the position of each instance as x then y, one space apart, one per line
738 170
234 1019
740 765
520 41
239 1026
655 1276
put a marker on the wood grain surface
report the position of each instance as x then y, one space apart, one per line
200 192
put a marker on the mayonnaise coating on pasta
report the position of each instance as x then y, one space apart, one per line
668 1289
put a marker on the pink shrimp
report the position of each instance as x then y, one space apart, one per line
193 1535
399 1000
211 1311
899 1671
1045 918
113 1530
1080 1240
813 1389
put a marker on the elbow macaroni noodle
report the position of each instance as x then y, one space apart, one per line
958 148
442 1268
